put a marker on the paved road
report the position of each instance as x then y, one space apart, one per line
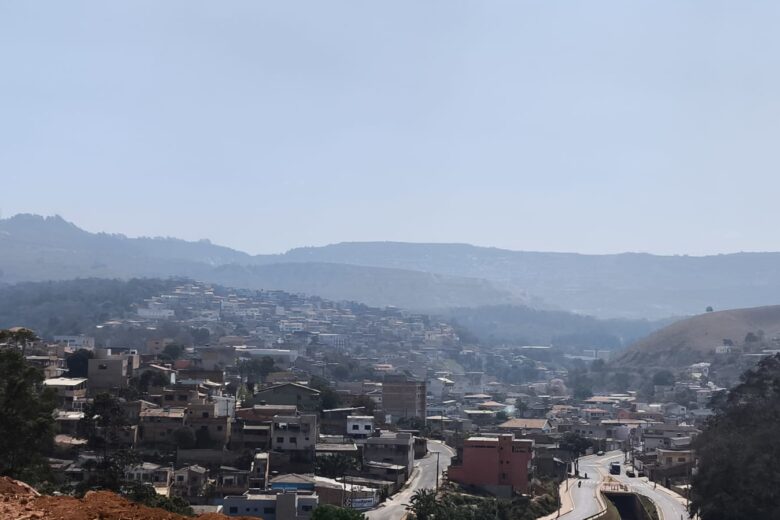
585 497
670 506
424 477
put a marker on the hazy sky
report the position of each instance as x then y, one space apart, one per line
569 126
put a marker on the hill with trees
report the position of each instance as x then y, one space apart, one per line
415 276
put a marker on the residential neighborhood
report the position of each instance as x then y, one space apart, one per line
284 402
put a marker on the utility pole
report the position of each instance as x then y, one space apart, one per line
437 471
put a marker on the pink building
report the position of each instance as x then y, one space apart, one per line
500 465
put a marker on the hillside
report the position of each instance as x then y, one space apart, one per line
630 285
695 339
416 276
18 501
374 286
524 325
34 248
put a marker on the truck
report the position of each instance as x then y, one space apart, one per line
614 468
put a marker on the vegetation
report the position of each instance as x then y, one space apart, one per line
333 466
73 306
78 362
329 398
737 475
27 427
146 495
329 512
575 445
426 504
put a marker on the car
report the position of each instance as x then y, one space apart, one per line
630 473
600 453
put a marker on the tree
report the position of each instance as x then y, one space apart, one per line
78 363
329 512
333 466
172 352
364 401
146 495
738 450
709 309
663 378
425 506
185 438
575 445
26 423
329 398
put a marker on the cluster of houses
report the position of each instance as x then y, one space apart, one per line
274 445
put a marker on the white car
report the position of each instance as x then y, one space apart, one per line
600 453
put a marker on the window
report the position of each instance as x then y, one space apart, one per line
233 510
355 427
306 508
102 366
280 440
179 478
205 415
293 440
367 427
169 398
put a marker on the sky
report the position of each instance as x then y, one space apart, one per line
593 127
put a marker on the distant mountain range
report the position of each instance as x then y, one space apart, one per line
34 248
415 276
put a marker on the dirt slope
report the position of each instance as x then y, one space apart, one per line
18 501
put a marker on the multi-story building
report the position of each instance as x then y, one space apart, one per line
294 433
395 448
68 390
158 425
500 465
403 397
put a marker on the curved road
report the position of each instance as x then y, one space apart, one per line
670 505
423 477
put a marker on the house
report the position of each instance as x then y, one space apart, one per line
403 397
189 481
522 426
202 417
294 433
272 506
158 425
156 475
107 372
395 448
258 473
302 397
68 390
500 465
360 426
232 481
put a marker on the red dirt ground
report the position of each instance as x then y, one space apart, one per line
18 501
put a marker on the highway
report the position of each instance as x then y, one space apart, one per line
586 503
424 477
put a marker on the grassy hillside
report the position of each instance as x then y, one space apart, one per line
695 339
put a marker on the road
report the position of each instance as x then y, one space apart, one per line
424 477
670 506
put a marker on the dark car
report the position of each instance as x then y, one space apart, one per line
630 473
